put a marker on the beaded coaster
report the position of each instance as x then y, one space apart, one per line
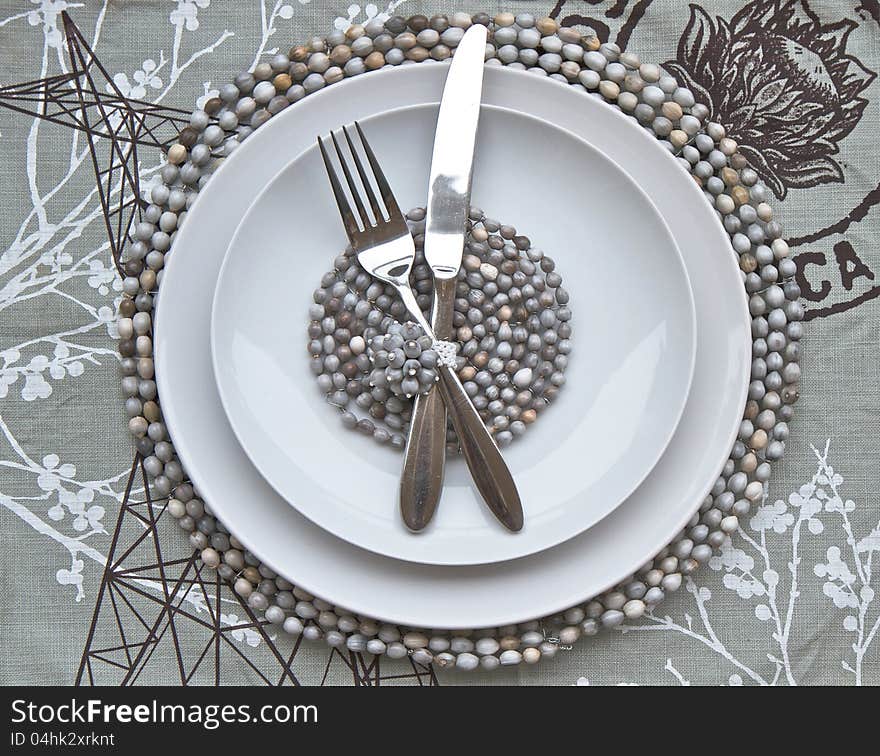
542 47
511 320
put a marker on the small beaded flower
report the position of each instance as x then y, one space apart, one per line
403 360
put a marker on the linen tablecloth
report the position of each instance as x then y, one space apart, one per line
791 600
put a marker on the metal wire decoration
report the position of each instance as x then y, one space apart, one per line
88 100
158 607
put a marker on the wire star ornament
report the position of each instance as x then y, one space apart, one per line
87 99
159 609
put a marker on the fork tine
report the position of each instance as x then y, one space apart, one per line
381 181
351 227
352 186
374 203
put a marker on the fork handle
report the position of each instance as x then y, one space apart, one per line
487 467
421 483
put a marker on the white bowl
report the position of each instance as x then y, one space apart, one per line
627 379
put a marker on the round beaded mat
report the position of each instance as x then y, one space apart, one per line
511 319
541 47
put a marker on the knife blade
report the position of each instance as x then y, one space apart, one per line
452 161
445 228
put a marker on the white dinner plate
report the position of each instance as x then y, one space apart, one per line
627 379
430 595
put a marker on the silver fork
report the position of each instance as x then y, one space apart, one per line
385 249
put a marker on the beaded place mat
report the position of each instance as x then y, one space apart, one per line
540 46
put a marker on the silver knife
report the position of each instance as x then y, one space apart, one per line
445 226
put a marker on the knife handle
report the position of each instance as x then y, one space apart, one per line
487 467
421 482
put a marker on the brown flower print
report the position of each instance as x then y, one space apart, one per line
782 84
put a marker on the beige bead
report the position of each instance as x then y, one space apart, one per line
678 138
210 558
509 642
471 263
570 70
504 19
374 60
461 20
672 110
591 44
609 89
727 146
729 176
147 279
758 440
740 195
137 426
340 55
418 54
354 31
529 416
282 82
729 524
145 367
630 60
754 490
405 41
298 54
547 25
143 346
176 154
633 83
749 463
152 412
505 312
415 640
748 262
627 101
780 248
569 35
488 271
752 409
531 655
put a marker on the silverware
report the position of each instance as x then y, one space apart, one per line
449 188
385 249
